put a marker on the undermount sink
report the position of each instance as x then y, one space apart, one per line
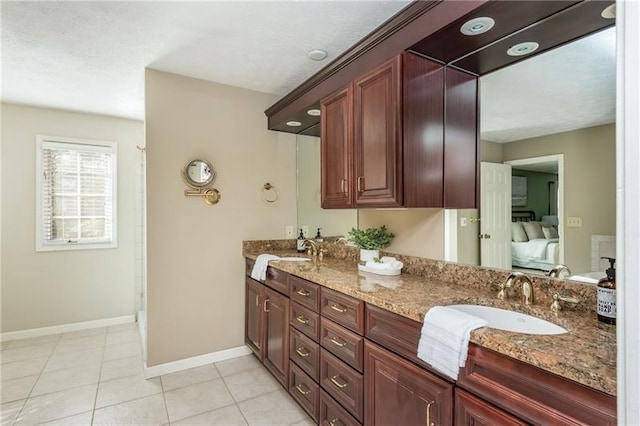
295 259
516 322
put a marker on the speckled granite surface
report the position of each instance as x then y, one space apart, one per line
586 354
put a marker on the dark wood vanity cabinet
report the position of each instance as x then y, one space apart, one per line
276 346
254 317
399 392
471 411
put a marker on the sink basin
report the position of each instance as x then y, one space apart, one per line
295 259
516 322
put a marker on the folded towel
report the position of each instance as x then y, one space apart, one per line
444 341
259 271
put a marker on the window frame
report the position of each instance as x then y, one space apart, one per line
40 244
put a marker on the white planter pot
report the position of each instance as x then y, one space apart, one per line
366 255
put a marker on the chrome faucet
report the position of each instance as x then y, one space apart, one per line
512 280
558 270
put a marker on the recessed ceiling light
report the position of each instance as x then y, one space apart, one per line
294 123
317 54
523 48
609 12
477 26
314 112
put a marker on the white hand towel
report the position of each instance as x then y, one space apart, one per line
259 271
444 341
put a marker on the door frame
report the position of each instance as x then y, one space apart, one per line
558 158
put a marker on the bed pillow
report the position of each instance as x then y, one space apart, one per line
550 233
533 230
517 233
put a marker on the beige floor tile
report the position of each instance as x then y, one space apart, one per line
189 377
74 359
15 389
4 345
251 383
29 367
238 365
82 419
196 399
121 367
126 389
57 405
150 410
83 333
226 416
123 336
122 327
28 352
9 412
68 378
21 343
274 408
80 344
306 422
122 350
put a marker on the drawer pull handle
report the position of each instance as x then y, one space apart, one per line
303 390
337 307
264 307
302 319
339 381
343 186
257 300
303 352
428 423
360 184
337 341
336 422
302 292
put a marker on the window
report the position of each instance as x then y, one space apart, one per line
76 194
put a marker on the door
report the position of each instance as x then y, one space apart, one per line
397 392
378 137
495 215
254 317
276 357
336 150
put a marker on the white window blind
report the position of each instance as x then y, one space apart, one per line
77 187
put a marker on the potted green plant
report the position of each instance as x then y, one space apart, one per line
370 241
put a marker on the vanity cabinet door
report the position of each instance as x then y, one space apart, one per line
276 345
254 317
377 134
472 411
337 150
398 392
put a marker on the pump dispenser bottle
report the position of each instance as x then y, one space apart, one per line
301 245
607 295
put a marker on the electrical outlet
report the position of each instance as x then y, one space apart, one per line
463 221
305 230
574 222
289 232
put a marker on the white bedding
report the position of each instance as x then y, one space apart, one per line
539 253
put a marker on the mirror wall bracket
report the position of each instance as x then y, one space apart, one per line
199 175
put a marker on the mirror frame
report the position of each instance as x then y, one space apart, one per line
190 182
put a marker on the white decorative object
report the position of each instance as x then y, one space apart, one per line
367 255
385 266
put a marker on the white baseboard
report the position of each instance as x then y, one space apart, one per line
196 361
65 328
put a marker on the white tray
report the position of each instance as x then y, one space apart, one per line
379 271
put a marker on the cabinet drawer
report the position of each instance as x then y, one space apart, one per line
304 390
332 413
305 293
344 310
305 320
305 352
343 383
343 343
470 410
249 266
277 280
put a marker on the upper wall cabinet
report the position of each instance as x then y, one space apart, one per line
387 136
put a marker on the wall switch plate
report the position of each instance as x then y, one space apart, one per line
305 230
574 222
463 221
289 232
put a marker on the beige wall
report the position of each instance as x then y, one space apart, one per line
195 286
53 288
589 184
418 232
332 221
491 152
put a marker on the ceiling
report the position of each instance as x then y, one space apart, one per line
568 88
91 56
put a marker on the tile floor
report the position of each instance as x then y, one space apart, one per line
95 377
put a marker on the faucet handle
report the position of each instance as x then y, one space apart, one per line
556 306
502 292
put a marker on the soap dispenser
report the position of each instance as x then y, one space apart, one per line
607 295
301 245
319 238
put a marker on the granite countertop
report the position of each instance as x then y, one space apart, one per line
586 354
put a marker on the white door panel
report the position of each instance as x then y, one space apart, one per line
495 215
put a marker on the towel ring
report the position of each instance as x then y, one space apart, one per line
269 193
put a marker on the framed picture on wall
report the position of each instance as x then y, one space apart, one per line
518 191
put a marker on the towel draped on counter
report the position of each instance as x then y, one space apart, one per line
259 271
